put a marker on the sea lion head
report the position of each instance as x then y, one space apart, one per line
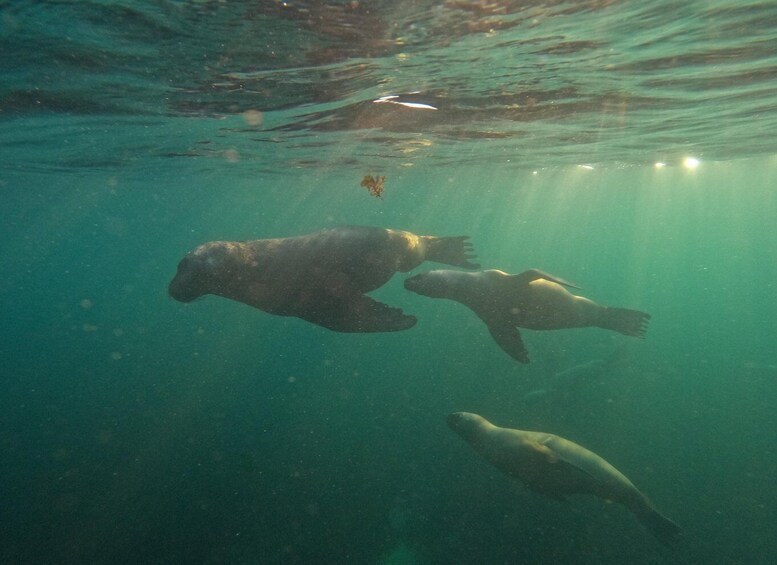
466 424
199 271
433 284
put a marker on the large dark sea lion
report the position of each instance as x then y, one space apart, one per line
320 277
532 299
557 467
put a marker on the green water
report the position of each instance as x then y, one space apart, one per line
137 429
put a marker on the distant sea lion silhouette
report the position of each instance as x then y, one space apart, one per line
532 299
565 380
556 467
320 277
566 384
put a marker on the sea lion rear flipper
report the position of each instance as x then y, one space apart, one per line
357 313
456 251
624 320
664 530
526 277
507 336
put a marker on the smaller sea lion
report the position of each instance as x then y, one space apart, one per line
321 277
556 467
532 300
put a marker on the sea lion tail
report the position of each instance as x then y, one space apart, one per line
456 251
664 530
625 321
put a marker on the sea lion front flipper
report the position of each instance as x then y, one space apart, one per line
554 467
526 277
356 313
507 336
549 455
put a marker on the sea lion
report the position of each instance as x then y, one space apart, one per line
320 277
564 381
532 299
556 467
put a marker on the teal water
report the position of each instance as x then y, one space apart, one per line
138 429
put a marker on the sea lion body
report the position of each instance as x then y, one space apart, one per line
556 467
532 300
320 277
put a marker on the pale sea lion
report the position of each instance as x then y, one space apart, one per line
532 299
320 277
556 467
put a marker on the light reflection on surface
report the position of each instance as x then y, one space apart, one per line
690 163
391 100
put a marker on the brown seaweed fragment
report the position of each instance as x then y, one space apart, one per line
374 185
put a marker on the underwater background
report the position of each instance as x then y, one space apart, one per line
628 147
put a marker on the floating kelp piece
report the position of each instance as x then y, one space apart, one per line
374 185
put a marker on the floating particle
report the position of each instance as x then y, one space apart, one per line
231 155
253 117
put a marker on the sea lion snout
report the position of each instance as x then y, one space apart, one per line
465 424
191 279
203 271
425 284
453 419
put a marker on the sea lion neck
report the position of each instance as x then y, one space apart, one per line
458 286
